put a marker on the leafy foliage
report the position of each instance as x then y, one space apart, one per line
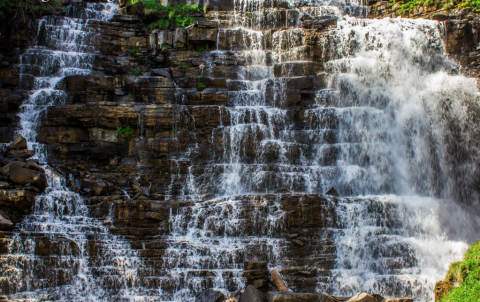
134 51
19 9
127 131
467 274
201 87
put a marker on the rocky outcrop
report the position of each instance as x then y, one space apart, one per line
21 180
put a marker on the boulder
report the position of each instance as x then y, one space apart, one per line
291 297
12 166
362 297
23 176
251 294
210 295
18 143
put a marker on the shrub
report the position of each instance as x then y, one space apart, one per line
127 131
134 71
134 51
201 87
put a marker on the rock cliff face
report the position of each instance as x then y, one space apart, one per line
167 123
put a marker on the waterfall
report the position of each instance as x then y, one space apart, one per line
380 113
58 252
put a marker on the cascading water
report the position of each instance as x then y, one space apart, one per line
384 125
70 256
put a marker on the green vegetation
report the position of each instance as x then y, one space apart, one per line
19 9
164 46
134 71
134 51
201 87
127 131
177 14
467 274
160 24
411 6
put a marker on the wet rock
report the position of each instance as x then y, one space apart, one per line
18 143
362 297
24 176
291 297
256 273
4 184
210 295
332 192
251 294
298 242
397 300
162 72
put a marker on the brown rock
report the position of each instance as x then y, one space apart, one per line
291 297
5 222
362 297
97 186
299 242
442 288
23 176
18 143
21 153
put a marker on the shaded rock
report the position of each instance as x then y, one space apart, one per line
162 72
23 176
21 153
12 166
5 222
332 192
18 143
362 297
210 295
256 273
97 186
4 184
251 294
291 297
397 300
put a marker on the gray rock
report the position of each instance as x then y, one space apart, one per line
210 295
162 72
251 294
